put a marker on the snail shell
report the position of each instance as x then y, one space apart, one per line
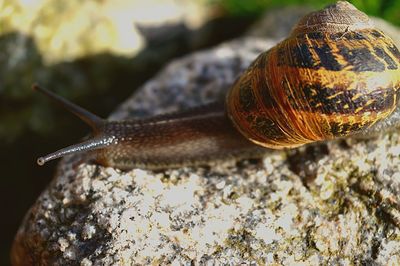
334 76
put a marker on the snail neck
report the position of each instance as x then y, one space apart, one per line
197 136
339 17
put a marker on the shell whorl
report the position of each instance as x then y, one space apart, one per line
326 80
339 17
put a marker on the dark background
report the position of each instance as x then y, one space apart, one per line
31 126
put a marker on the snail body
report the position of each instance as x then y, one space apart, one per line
191 137
334 76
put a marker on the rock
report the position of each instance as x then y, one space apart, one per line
276 23
326 203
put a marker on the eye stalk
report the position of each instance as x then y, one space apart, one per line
89 118
95 122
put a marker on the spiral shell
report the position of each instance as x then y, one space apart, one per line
334 76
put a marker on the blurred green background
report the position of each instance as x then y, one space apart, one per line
96 53
386 9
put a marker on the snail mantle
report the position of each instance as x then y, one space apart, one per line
326 202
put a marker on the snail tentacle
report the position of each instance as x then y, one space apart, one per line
89 145
89 118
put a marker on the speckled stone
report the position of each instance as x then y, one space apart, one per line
327 203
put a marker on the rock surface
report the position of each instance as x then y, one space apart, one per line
327 203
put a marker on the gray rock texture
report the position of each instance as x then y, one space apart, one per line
326 203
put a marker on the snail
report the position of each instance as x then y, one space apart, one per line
334 76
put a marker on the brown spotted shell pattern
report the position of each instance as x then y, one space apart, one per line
334 76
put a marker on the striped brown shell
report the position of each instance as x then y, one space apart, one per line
334 76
